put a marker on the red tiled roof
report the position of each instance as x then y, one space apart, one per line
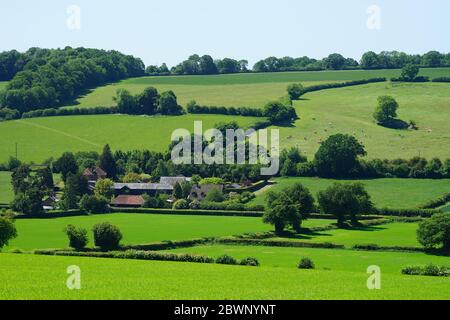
128 200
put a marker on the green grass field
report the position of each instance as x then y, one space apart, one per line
45 278
41 138
139 228
385 193
349 110
3 85
252 90
327 259
392 234
6 192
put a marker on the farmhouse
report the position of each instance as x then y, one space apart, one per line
128 201
94 173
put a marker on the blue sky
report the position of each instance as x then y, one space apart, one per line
171 30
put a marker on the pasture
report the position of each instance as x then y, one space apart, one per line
349 110
45 278
41 138
392 234
324 259
251 90
6 192
385 193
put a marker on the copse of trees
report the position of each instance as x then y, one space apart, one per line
435 232
345 201
149 102
337 156
397 60
51 77
7 231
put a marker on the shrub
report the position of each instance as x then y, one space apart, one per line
78 238
7 231
181 204
194 205
428 270
295 91
226 259
253 262
93 204
106 236
306 263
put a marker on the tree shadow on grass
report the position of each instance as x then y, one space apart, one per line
396 124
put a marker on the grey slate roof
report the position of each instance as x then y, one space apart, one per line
173 180
143 186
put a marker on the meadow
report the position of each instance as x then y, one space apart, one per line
389 235
386 193
324 259
45 278
3 85
349 110
251 90
138 228
41 138
6 192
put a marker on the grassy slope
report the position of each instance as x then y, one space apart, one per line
3 84
389 193
45 278
336 260
393 234
252 90
6 193
349 110
41 138
138 228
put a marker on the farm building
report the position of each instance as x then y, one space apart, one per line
142 188
128 201
94 174
173 180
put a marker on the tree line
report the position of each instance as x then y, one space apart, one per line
43 78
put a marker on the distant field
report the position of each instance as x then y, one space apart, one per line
138 228
41 138
388 193
45 278
330 259
349 110
392 234
3 85
253 90
6 193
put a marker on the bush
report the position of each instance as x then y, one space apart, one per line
253 262
181 204
78 238
428 270
295 91
106 236
93 204
7 231
226 259
194 205
306 263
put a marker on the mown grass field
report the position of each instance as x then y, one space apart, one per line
252 90
45 278
324 259
138 228
349 110
6 192
385 193
41 138
392 234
